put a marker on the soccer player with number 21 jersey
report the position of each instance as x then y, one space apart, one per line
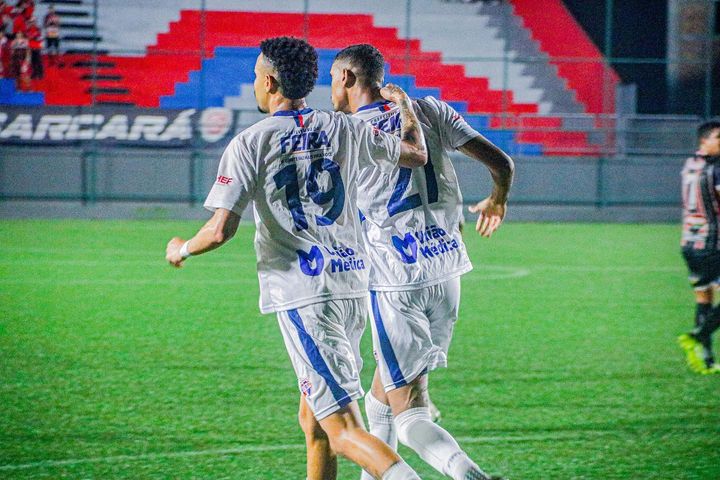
342 205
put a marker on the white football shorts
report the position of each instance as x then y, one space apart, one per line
412 330
323 341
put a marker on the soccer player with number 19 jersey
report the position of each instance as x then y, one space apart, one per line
417 255
299 167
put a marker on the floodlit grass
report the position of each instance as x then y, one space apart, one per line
564 363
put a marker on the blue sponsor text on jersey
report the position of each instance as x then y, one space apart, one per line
432 242
303 140
342 259
346 260
388 123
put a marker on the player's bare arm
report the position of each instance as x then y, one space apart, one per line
217 231
502 168
412 149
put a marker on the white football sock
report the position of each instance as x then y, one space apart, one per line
400 471
380 418
461 467
435 445
381 424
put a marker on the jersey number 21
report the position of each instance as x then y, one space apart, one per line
398 204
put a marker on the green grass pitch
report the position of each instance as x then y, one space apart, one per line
563 366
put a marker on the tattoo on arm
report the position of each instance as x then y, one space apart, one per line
411 132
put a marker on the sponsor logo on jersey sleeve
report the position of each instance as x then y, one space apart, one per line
223 180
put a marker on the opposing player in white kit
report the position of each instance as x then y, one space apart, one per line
417 255
299 167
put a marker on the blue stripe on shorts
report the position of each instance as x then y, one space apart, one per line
385 346
317 361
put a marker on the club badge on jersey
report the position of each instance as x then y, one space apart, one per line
306 387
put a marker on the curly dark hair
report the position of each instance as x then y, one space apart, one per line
296 62
367 59
707 128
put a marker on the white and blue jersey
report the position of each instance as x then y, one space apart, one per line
300 169
412 216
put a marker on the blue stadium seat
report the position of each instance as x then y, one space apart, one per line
231 67
9 95
478 122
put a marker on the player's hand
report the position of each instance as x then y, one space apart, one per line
172 252
393 93
491 215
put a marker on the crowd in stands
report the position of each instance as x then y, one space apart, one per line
21 41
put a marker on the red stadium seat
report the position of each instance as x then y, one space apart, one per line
178 51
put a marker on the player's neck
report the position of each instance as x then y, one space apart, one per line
363 97
703 152
278 104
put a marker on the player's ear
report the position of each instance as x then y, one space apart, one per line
271 84
348 78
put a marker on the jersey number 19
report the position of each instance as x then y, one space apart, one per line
287 178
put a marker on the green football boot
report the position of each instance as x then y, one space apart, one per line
694 352
713 369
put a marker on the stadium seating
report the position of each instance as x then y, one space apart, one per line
171 74
9 95
563 38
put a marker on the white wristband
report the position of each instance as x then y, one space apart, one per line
184 253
